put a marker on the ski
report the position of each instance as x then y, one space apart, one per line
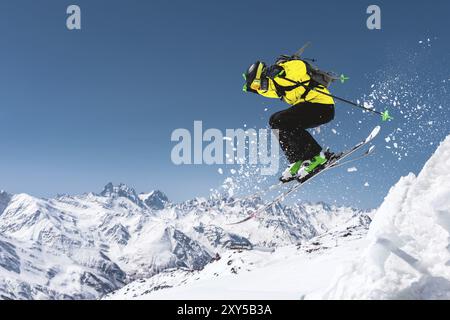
333 163
279 184
365 154
257 193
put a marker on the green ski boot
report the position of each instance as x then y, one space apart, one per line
301 169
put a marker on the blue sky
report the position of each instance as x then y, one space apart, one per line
81 108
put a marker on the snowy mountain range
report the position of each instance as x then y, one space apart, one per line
85 246
119 244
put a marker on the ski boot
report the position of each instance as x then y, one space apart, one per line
301 169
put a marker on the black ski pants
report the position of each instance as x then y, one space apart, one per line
295 141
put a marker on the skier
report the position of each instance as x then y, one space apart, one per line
291 81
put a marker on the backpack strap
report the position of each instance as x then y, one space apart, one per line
310 86
307 84
277 71
281 90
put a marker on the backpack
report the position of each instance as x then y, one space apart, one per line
318 77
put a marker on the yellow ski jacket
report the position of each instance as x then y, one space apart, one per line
295 70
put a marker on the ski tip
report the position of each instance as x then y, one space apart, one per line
249 217
373 134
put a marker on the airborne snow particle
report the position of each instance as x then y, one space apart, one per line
220 171
366 184
352 169
334 131
368 105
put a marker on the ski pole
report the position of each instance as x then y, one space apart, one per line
385 116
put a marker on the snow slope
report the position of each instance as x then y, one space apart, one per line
289 272
409 252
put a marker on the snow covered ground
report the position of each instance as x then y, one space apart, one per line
289 272
408 256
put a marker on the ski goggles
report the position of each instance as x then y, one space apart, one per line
256 83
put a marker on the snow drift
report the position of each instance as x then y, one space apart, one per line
408 256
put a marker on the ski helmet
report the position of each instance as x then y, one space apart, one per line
253 76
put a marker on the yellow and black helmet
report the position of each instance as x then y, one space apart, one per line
253 76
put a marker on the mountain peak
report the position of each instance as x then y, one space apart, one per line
121 190
155 199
